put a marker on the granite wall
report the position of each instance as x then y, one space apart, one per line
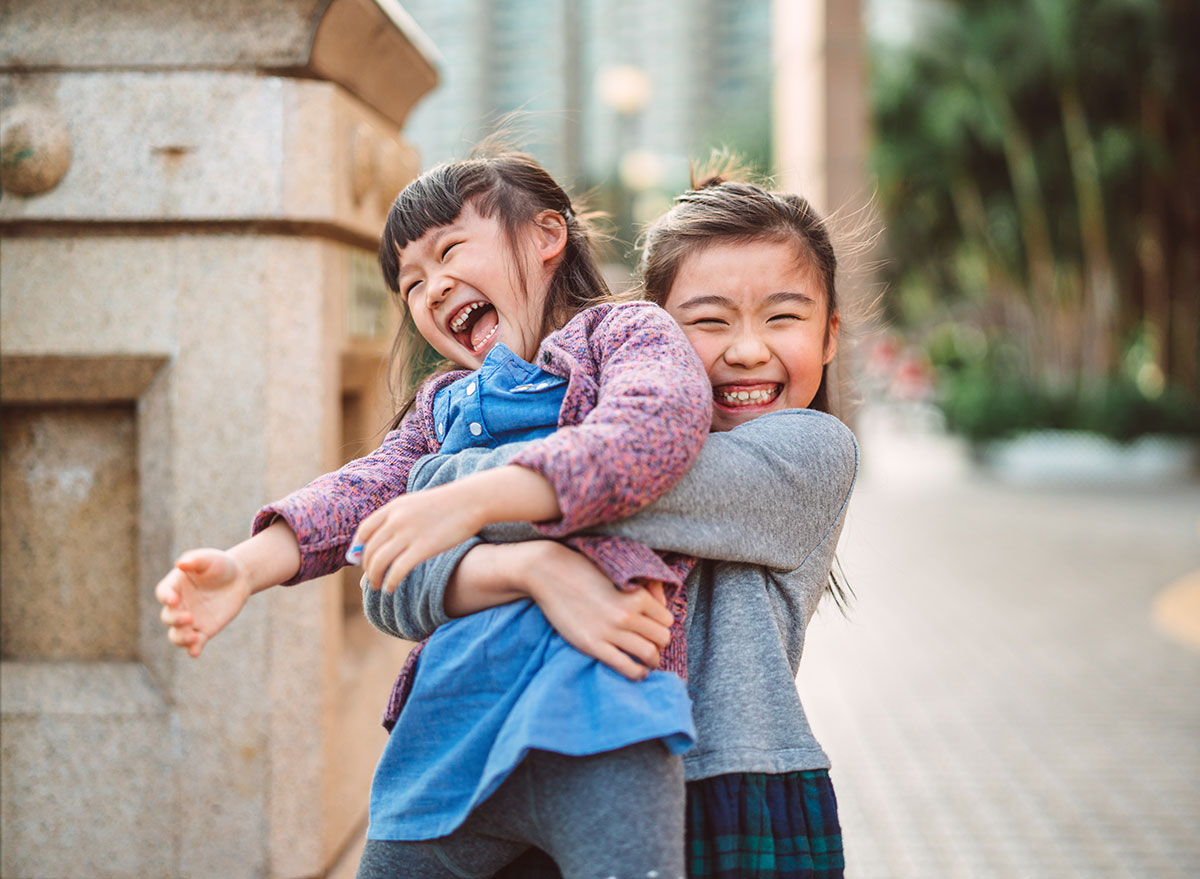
191 324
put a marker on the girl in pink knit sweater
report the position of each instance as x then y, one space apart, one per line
496 272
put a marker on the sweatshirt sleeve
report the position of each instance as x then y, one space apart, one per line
765 493
768 492
325 513
653 407
418 605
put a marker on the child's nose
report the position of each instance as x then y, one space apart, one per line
439 289
747 350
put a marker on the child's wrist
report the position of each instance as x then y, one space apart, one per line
487 575
513 494
512 561
267 559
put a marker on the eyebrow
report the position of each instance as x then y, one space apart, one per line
780 298
441 233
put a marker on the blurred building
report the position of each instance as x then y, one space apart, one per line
706 64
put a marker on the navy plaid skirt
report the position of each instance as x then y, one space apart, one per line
747 826
757 826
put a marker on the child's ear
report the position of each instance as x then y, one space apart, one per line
550 236
831 334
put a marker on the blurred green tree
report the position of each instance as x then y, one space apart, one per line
1038 164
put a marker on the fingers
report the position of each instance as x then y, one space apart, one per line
191 640
651 603
196 561
641 649
182 637
393 559
188 638
362 535
621 662
654 631
166 591
660 614
378 561
172 616
396 572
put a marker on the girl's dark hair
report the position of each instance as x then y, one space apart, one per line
730 211
718 210
514 188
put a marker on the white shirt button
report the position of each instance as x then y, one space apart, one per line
470 389
441 428
476 428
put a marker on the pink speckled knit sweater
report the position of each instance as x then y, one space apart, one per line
636 412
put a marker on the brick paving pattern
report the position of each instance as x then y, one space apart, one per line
999 702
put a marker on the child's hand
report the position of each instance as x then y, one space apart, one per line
627 631
206 589
412 528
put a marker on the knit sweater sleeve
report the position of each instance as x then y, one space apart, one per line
637 410
325 513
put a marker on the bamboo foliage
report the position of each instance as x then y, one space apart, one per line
1039 169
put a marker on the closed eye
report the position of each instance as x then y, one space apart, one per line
783 318
408 290
707 322
448 248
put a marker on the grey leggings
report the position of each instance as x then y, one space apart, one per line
617 815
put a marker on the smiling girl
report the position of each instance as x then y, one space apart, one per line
497 274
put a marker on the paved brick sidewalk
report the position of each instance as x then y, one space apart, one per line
1000 703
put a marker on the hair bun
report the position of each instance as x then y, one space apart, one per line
722 167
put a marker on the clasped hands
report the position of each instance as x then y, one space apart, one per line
625 630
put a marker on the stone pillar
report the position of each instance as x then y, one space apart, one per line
192 323
821 126
820 102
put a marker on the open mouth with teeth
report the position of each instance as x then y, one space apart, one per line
745 396
474 325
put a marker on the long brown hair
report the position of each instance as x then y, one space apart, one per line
514 188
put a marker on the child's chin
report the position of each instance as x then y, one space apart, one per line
727 418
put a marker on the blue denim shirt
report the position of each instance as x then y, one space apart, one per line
504 401
493 685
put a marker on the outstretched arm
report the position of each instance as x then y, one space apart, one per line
300 537
325 513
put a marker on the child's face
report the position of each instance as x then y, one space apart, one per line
462 288
757 317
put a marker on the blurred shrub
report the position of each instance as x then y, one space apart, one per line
984 395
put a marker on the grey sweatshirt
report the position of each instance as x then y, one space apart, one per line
762 508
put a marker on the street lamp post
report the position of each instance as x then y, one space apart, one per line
625 89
